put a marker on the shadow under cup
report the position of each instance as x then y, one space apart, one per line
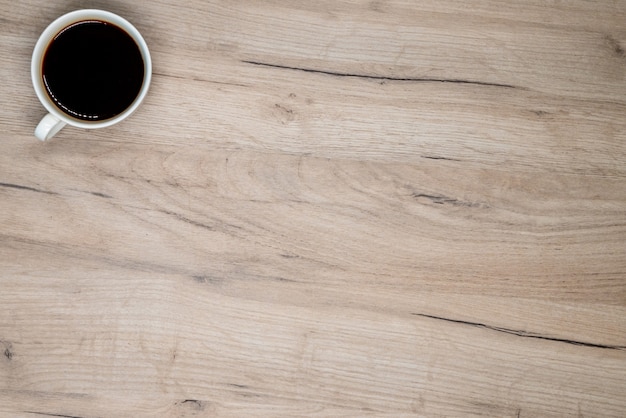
90 69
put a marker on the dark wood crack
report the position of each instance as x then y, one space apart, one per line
195 403
434 157
442 200
188 221
522 333
20 187
383 78
52 415
103 195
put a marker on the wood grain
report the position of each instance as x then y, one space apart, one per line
354 208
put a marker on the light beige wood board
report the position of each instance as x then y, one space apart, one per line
383 208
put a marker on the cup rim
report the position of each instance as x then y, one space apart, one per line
47 36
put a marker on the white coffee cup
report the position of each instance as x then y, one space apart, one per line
56 119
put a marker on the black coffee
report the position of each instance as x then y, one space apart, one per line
93 70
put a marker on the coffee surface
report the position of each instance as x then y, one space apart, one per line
93 70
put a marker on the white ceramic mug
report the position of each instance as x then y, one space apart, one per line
56 119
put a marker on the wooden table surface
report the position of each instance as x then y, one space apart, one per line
333 208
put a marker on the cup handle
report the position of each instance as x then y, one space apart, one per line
48 127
